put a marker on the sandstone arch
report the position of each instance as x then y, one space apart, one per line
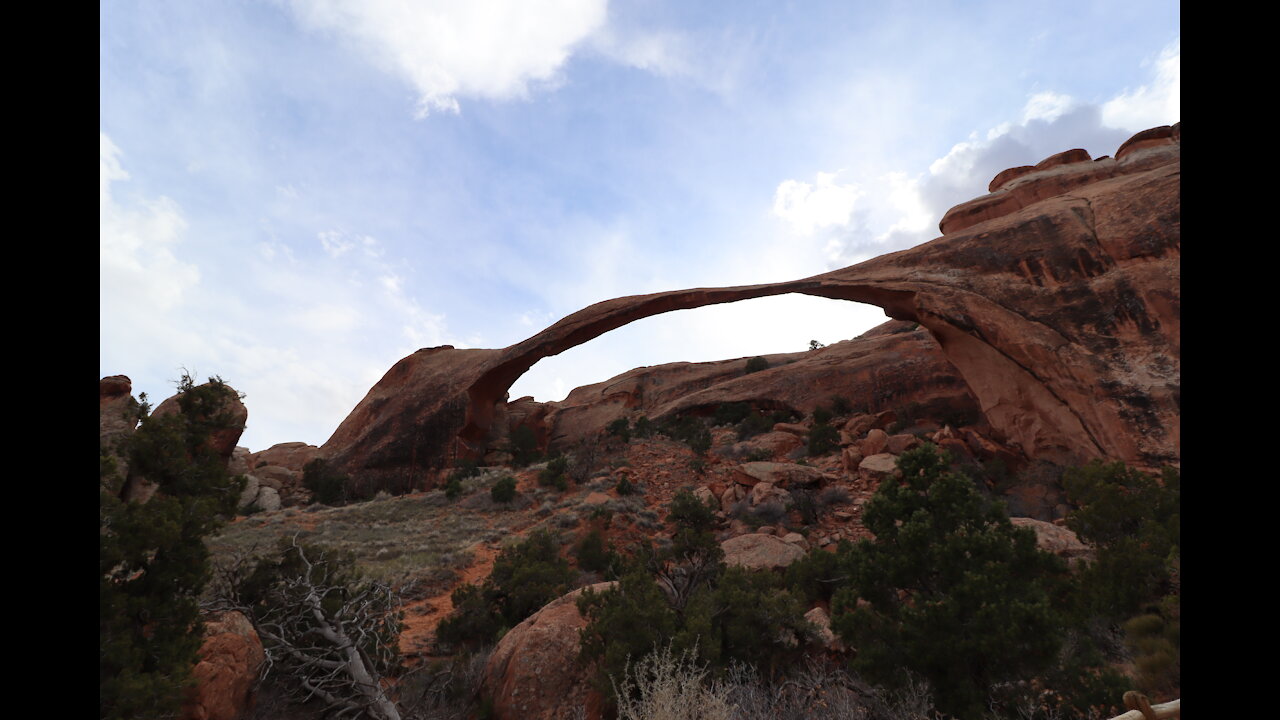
1056 297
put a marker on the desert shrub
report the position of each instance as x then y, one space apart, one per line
833 495
758 455
153 561
804 502
327 484
625 486
670 687
620 429
840 405
643 427
695 523
979 607
453 488
594 553
821 415
504 490
816 575
756 364
1133 519
730 413
770 512
525 577
754 424
823 439
554 473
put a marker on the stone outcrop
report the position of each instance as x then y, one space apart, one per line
533 673
1056 299
230 659
291 455
760 551
117 419
231 415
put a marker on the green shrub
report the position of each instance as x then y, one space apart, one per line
554 473
504 490
525 577
730 413
643 428
624 486
756 364
153 561
841 405
327 484
594 554
823 439
619 428
979 604
453 488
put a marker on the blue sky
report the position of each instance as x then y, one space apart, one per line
296 194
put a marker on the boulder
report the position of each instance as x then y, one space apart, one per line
898 444
1055 539
291 455
786 475
757 551
533 672
231 415
230 659
875 468
875 442
822 625
764 492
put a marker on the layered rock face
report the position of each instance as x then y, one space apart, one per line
891 366
1056 298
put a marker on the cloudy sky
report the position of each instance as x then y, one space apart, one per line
295 194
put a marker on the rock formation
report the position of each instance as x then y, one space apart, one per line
230 658
1055 297
533 671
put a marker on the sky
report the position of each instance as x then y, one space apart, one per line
295 194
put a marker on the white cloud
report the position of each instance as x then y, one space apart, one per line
138 271
812 207
480 48
1154 104
1047 106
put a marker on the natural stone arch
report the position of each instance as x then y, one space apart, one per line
1044 294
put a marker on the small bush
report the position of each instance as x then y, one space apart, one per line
756 364
643 427
594 554
624 486
619 429
840 405
823 439
503 491
554 474
730 413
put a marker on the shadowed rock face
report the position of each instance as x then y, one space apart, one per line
1056 298
891 366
